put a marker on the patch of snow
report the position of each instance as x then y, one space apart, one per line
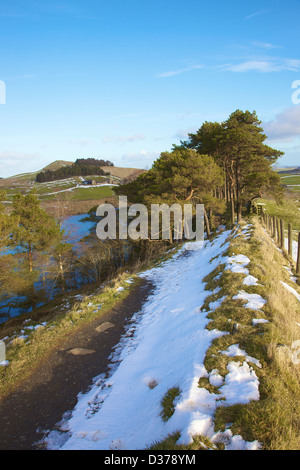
294 248
234 350
254 301
215 378
237 264
4 363
291 290
257 321
250 281
292 277
241 384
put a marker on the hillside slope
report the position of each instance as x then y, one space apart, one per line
195 358
77 198
210 360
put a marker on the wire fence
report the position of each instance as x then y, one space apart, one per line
284 237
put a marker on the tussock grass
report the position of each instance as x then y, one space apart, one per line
168 403
273 420
199 443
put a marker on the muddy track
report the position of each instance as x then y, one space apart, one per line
40 402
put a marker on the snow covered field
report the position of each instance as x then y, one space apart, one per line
165 347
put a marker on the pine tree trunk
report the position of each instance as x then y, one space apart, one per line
238 196
207 224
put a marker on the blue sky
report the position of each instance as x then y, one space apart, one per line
124 80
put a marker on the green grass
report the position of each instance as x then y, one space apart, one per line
168 403
290 179
289 210
49 191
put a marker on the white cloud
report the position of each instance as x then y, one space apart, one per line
257 13
80 142
172 73
142 159
182 134
119 139
265 66
285 127
13 163
265 45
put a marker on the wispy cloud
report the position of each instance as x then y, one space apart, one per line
172 73
80 142
265 45
265 66
182 134
285 127
257 13
120 139
142 159
14 162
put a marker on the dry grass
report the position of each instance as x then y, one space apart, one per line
274 420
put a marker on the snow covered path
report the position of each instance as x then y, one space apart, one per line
166 348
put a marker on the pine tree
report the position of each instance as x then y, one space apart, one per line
181 176
37 236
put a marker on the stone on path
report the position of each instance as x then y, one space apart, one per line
104 326
80 351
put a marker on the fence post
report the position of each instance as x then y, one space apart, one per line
274 227
298 256
281 234
278 231
290 240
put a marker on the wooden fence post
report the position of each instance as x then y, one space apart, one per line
278 231
290 240
298 256
281 234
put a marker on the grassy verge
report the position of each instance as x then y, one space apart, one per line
274 419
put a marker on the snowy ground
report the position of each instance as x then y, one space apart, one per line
165 348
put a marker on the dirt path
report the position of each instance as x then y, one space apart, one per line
41 401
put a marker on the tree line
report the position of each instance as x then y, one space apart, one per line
81 167
223 166
39 261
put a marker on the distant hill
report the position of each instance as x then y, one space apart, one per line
79 198
56 165
123 173
289 171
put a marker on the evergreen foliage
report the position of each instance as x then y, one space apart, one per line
81 167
